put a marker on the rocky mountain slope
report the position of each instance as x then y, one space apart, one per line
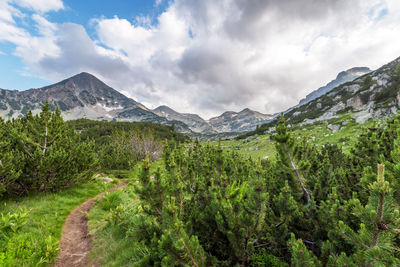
229 121
373 95
245 120
85 96
343 77
81 96
194 121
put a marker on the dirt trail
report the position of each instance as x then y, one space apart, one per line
76 243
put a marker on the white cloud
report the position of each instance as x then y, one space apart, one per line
210 56
265 55
43 26
158 2
41 6
7 12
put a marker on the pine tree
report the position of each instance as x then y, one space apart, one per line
285 148
301 256
50 155
10 160
394 174
282 217
379 225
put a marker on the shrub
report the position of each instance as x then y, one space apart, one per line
110 200
40 153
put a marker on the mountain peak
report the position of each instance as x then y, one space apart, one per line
353 72
342 77
84 78
246 110
83 74
164 108
194 121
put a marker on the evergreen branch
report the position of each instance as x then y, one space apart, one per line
354 240
379 215
187 248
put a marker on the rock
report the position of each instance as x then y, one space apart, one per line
334 127
353 88
362 116
398 98
270 130
250 138
319 105
330 114
355 102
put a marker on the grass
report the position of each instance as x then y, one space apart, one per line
255 147
110 246
40 218
261 146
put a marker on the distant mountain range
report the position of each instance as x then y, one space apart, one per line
193 121
360 92
81 96
229 121
85 96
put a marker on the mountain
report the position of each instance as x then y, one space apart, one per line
85 96
81 96
229 121
343 77
373 95
245 120
195 122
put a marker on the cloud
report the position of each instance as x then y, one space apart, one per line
210 56
41 6
158 2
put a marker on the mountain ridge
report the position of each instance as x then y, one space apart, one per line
370 96
80 96
341 77
85 96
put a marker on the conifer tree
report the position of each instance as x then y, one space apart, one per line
301 256
380 222
285 148
394 174
10 160
49 154
213 207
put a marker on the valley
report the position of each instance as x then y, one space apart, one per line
276 190
199 133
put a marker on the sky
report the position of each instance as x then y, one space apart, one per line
203 57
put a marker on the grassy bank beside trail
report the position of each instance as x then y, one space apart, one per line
30 227
111 245
111 218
